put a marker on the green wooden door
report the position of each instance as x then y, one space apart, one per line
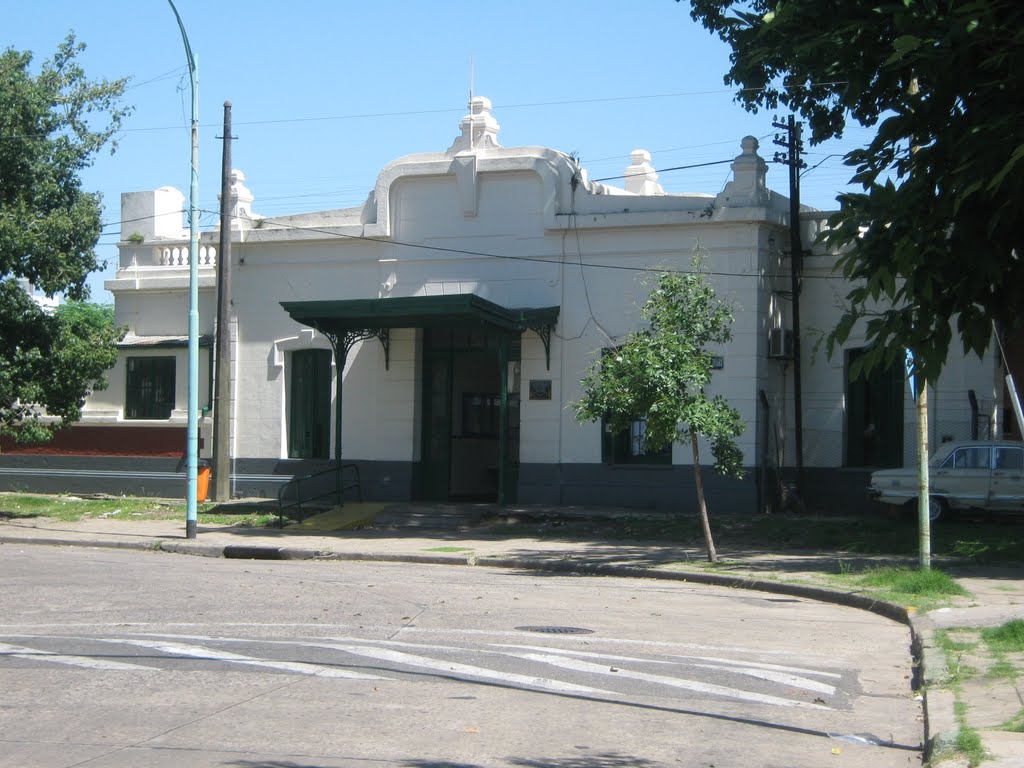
309 411
874 416
436 439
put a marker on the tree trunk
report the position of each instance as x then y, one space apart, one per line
712 555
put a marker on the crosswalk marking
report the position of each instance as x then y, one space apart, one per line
21 652
770 672
759 665
425 656
423 662
792 681
200 652
690 685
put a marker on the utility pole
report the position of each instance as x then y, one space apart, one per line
222 363
192 433
791 157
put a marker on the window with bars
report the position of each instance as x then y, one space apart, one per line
627 447
149 389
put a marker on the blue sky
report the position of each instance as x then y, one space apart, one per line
324 94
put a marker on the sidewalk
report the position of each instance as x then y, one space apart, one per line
998 594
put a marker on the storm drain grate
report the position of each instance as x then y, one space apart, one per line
558 630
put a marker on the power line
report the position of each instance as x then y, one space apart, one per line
206 213
524 105
508 257
665 170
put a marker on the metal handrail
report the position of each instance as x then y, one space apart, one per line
338 492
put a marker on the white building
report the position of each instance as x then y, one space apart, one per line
466 298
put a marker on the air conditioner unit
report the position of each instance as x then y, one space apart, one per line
780 344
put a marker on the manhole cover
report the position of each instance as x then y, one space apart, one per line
558 630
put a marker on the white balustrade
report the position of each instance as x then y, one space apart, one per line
177 256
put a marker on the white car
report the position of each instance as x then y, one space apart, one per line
976 474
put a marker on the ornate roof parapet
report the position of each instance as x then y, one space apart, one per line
641 178
241 202
748 187
479 128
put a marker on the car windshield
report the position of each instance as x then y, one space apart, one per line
969 457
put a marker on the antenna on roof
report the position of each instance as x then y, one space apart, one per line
470 102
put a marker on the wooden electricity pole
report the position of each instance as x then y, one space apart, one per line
222 364
791 157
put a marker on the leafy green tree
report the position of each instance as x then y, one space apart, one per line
659 374
51 362
49 227
936 236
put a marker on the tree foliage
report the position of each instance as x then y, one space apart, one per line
660 374
49 227
936 236
49 363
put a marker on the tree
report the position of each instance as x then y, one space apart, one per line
659 375
51 362
49 227
937 234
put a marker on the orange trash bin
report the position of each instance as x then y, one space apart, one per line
202 484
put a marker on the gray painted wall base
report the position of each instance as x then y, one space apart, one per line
670 489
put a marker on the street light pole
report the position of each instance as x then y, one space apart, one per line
192 436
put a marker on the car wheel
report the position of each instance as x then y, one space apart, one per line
937 509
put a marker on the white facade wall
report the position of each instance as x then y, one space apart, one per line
519 227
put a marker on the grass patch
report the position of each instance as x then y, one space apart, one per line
1015 723
968 743
910 587
949 645
1006 638
1002 670
72 509
449 549
919 589
913 581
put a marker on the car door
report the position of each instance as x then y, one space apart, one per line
963 478
1007 491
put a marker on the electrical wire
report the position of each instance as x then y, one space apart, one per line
666 170
506 257
437 111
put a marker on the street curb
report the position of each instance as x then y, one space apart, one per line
930 660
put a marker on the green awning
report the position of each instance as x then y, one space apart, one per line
459 310
348 320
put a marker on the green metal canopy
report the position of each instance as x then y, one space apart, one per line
349 320
462 309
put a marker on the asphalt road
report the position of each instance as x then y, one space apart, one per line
113 659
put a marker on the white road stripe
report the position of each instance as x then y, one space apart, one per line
690 685
761 671
793 681
758 665
33 654
177 649
770 672
422 662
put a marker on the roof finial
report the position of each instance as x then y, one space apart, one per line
479 128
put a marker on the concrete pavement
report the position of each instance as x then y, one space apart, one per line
403 533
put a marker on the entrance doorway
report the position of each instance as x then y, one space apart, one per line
309 410
470 416
874 416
